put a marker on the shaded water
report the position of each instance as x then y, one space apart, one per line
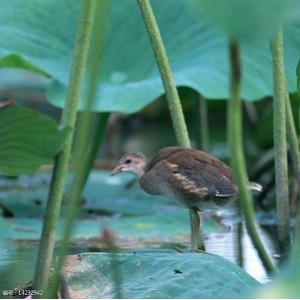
17 263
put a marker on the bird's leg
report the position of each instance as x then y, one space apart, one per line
197 237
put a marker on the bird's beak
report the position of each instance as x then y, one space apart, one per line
116 170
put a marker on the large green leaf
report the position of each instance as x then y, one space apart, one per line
27 140
156 276
44 31
248 21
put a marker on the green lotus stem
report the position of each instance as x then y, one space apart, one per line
94 146
116 271
89 152
173 100
81 162
161 58
234 119
296 244
46 248
239 245
292 138
280 146
204 130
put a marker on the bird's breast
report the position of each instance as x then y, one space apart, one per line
153 186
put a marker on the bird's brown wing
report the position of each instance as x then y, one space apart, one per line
202 171
164 154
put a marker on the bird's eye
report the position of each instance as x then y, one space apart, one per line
128 161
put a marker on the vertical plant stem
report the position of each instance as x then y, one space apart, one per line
292 138
116 270
161 58
204 132
174 104
47 242
237 158
94 146
280 147
82 139
296 244
239 244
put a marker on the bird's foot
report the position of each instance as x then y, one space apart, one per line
196 250
180 250
199 251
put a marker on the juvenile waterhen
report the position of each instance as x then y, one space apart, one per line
191 177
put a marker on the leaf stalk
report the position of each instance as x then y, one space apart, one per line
179 125
280 112
234 119
61 166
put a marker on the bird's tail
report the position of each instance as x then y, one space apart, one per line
255 186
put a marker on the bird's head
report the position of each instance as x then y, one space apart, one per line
132 162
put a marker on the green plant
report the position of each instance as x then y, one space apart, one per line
237 156
280 141
44 261
174 105
28 140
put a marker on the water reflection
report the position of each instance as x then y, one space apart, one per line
226 244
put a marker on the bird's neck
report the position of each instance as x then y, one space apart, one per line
140 171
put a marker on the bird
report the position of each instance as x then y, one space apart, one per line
193 178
